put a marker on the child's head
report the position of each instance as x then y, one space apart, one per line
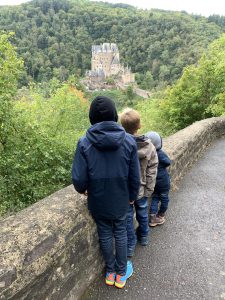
155 139
102 109
130 120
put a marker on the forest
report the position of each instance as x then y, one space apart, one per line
45 48
54 38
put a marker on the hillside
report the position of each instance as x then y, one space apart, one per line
54 38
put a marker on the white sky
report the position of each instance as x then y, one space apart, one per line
203 7
12 2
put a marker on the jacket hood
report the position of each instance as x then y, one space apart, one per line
107 135
143 145
155 139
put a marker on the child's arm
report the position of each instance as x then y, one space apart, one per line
164 159
151 172
134 175
79 171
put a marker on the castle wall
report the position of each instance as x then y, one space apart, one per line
105 57
128 78
102 60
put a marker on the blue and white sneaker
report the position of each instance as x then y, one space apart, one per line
121 280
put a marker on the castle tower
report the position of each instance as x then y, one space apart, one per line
105 57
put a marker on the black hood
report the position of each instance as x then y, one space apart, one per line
106 135
102 109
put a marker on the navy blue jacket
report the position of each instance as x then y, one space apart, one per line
106 165
162 179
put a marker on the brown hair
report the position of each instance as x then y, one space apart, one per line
130 120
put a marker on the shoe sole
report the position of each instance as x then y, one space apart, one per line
155 224
109 282
120 285
144 245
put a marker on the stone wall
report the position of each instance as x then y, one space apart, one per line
143 93
185 146
50 250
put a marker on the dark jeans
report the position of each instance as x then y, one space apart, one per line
163 198
107 229
141 207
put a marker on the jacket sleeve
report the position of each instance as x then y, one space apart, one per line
134 175
164 159
151 172
79 171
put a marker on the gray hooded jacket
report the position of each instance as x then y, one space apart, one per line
148 164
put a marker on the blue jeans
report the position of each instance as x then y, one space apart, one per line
163 198
141 207
107 229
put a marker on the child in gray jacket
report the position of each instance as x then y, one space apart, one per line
130 120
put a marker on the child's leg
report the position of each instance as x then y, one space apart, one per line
164 197
154 204
105 233
131 235
154 219
120 234
141 206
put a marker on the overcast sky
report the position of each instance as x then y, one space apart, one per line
203 7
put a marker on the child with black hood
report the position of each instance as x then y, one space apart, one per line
106 167
162 187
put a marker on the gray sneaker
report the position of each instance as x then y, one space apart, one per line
156 220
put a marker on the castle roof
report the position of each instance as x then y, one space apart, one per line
115 61
105 47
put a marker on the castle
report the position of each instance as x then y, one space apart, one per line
105 62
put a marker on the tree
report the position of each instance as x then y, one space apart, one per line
130 92
199 93
10 68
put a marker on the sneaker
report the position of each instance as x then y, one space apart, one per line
156 220
143 240
161 216
121 280
110 278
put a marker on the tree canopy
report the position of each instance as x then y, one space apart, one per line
54 38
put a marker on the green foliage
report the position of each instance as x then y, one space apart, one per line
130 92
63 116
198 94
145 81
110 80
42 131
33 168
54 38
152 118
120 97
10 67
200 91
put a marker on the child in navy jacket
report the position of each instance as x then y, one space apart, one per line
106 168
162 187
